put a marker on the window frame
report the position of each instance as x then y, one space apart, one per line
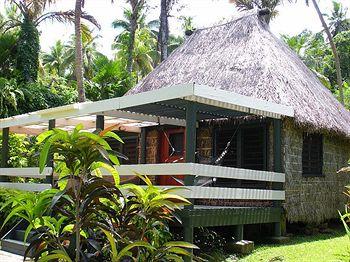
320 172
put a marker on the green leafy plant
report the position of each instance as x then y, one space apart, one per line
89 218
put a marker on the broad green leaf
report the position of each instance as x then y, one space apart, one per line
113 135
112 244
110 169
44 136
126 249
26 233
180 244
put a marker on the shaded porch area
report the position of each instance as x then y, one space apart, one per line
177 106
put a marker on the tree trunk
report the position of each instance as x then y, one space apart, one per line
135 8
163 30
334 50
79 69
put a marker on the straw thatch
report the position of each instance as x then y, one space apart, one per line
244 57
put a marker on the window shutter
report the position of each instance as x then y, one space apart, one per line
312 156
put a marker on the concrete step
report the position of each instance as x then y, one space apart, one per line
14 246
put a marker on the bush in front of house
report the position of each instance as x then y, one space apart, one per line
90 219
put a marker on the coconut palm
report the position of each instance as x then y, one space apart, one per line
163 36
333 47
338 21
56 61
131 24
259 4
89 51
144 48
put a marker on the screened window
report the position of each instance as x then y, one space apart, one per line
312 154
129 148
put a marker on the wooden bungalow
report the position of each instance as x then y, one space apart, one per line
244 57
235 116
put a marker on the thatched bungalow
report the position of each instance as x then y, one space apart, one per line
244 57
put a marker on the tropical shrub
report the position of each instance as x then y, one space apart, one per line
89 218
23 151
5 194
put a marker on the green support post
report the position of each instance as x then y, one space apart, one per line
143 146
191 138
277 163
5 150
238 233
100 122
190 157
49 179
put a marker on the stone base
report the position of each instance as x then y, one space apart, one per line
279 240
243 247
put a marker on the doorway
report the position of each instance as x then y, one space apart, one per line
172 151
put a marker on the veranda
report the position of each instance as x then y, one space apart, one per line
183 105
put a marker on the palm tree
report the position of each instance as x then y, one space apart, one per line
56 60
338 21
144 49
333 47
271 5
28 46
79 71
131 24
89 51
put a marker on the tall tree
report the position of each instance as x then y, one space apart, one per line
79 69
56 60
136 11
338 21
333 47
163 36
28 45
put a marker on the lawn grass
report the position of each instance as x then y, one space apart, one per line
316 248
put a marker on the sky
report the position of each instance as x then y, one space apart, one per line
292 19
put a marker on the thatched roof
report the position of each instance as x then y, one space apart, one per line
244 57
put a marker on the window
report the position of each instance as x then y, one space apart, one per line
248 149
312 155
129 148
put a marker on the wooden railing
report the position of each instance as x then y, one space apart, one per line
210 171
29 172
188 169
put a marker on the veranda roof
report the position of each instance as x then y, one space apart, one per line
163 106
244 57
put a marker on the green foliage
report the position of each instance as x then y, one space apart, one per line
28 48
5 195
10 94
90 218
111 80
46 93
342 41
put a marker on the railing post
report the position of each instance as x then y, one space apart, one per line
49 179
277 163
5 150
238 233
100 122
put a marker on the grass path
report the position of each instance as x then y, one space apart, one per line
317 248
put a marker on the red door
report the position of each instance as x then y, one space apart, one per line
172 151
